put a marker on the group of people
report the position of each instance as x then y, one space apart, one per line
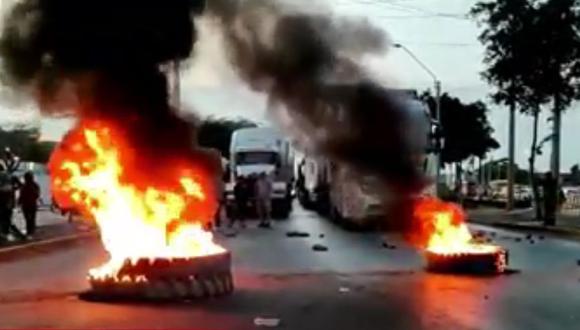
252 195
15 192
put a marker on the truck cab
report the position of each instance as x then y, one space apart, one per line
263 150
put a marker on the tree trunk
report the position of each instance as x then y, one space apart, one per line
480 171
556 147
511 157
532 159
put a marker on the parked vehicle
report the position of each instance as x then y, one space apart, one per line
263 150
358 200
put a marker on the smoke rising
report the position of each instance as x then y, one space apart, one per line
306 64
103 59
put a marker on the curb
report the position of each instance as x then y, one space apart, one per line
11 252
564 232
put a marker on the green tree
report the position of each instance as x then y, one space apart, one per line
575 174
466 129
217 133
533 57
24 142
506 38
559 32
19 139
39 152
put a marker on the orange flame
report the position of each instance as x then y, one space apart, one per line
443 229
139 215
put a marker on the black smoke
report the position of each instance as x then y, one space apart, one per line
307 65
104 59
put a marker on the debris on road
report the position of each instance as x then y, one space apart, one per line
344 289
265 225
541 237
266 322
529 236
518 239
319 248
578 262
297 234
231 234
386 245
512 271
321 236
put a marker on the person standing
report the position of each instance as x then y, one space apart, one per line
264 199
28 201
6 195
220 193
8 186
550 192
241 199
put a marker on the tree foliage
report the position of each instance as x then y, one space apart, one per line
558 30
25 142
575 174
532 51
532 57
509 46
466 129
217 133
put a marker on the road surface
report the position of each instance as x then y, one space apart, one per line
357 284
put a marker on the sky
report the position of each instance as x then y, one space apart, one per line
436 31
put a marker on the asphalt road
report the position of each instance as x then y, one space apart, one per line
357 284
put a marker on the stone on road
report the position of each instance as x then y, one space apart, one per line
279 278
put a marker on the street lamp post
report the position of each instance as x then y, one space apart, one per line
437 84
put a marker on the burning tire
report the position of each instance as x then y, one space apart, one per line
167 279
489 263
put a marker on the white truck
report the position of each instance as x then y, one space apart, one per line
356 200
263 150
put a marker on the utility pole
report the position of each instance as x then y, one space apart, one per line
437 84
511 158
439 130
556 148
175 84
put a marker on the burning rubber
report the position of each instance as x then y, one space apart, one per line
475 263
163 279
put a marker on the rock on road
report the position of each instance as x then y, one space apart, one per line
356 284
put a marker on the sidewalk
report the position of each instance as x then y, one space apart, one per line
52 228
568 223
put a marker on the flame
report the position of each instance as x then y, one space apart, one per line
140 215
443 229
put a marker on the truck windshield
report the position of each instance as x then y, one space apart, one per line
257 157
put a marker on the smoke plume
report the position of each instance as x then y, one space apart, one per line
103 59
307 65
